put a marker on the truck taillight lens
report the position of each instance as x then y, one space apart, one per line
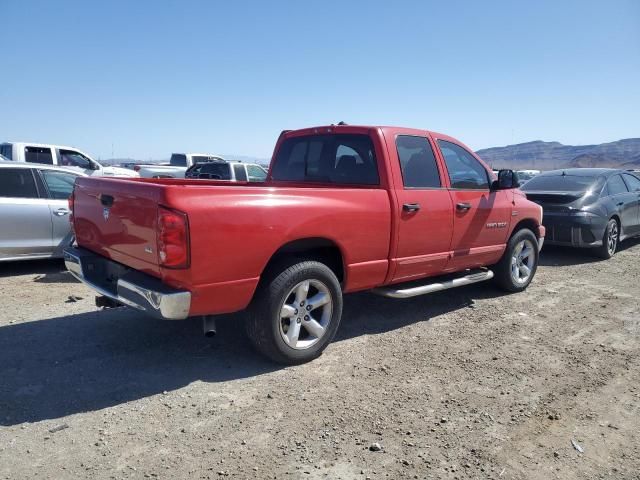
173 238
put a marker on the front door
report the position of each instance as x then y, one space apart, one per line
481 216
424 212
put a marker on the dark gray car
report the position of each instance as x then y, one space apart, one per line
588 207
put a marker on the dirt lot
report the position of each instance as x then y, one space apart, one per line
469 383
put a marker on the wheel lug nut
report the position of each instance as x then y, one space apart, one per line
296 311
302 304
308 307
306 317
298 320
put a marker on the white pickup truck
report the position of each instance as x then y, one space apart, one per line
62 156
177 166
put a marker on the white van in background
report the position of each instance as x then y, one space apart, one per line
59 155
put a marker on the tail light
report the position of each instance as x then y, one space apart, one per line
136 168
173 238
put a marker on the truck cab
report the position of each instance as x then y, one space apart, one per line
58 155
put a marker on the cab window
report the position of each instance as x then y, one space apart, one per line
71 158
465 172
418 163
38 155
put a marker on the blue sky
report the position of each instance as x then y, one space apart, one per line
148 78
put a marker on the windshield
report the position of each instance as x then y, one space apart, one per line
561 183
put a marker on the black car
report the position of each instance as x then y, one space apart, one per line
587 207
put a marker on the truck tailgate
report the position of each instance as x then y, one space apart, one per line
117 218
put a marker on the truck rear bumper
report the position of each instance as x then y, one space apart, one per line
126 286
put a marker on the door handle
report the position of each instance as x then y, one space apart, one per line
411 207
61 212
619 204
463 206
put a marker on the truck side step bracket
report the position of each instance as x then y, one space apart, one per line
397 291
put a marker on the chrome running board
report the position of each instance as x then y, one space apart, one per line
472 277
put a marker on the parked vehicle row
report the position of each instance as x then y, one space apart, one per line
178 165
59 155
228 170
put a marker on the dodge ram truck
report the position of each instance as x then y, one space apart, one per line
399 211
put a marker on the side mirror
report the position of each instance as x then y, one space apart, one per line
507 179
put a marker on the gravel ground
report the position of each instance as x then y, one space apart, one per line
468 383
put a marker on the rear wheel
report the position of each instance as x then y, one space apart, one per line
519 263
610 240
296 313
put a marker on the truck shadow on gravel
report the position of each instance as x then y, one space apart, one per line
85 362
47 271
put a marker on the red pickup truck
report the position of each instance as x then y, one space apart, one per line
399 211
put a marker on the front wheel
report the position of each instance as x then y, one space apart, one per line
296 313
519 263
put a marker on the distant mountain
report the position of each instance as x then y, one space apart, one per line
551 155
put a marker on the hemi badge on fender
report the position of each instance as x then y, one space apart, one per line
515 213
497 225
148 249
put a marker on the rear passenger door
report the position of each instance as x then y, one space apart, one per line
624 203
24 213
424 211
481 216
633 183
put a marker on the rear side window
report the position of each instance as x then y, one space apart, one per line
616 185
333 158
178 160
59 184
215 171
17 183
256 174
418 163
241 174
6 151
38 155
465 172
632 182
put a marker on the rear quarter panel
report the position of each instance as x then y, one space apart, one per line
235 230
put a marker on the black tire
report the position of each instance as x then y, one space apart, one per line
608 249
503 269
266 326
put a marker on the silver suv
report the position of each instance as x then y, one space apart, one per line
34 210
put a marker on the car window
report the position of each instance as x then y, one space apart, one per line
6 151
38 155
632 182
17 183
616 185
465 172
59 184
215 171
71 158
561 183
331 158
256 174
241 174
417 162
178 160
204 159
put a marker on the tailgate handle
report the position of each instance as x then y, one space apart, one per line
106 200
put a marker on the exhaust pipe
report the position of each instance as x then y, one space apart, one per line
209 325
